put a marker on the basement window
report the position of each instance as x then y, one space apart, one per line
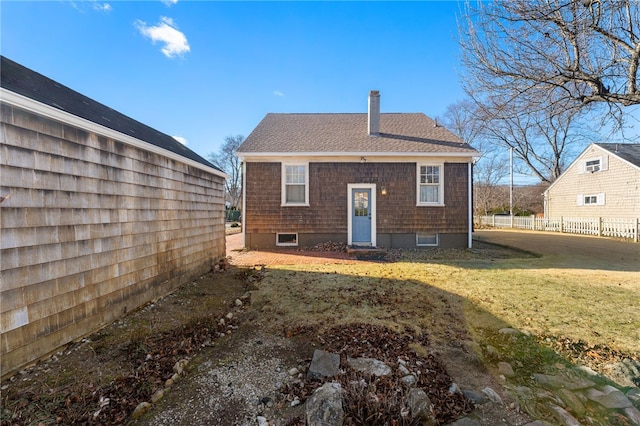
426 240
286 239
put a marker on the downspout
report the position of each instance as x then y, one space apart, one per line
244 204
470 204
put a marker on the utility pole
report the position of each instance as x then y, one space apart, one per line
511 185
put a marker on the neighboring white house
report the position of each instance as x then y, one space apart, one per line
604 181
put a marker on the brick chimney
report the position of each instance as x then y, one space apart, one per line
374 113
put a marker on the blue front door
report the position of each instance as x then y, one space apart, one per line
361 216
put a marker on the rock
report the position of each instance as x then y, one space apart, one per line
492 395
408 381
586 370
140 410
324 407
492 351
323 364
475 397
369 366
466 421
454 389
169 383
229 315
625 372
510 331
403 371
557 382
295 402
633 415
420 407
538 423
157 395
505 369
634 394
238 302
293 371
612 399
178 367
571 401
262 421
562 416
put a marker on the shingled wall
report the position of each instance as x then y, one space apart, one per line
92 228
325 219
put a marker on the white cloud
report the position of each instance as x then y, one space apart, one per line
165 31
102 7
278 93
169 3
180 139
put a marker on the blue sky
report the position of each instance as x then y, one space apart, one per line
203 70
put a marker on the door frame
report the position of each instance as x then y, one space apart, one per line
372 206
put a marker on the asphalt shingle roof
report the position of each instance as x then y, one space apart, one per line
26 82
335 133
626 151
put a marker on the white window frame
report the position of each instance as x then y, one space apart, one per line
283 188
279 244
418 234
603 164
440 184
582 199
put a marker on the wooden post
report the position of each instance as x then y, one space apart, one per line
600 226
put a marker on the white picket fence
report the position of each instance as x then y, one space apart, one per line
598 226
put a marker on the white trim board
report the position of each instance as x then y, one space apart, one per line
350 188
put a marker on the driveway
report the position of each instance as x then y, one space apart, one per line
569 249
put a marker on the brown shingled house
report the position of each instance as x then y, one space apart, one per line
379 180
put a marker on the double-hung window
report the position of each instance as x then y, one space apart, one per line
430 188
295 184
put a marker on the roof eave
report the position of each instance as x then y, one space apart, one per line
15 99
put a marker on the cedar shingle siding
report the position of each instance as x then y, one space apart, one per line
92 226
326 217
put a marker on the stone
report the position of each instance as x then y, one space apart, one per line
466 421
420 407
323 364
178 367
262 421
408 381
140 410
169 383
557 382
625 372
324 407
633 415
586 370
510 331
563 417
295 402
157 395
229 315
612 399
505 369
454 389
369 366
293 371
403 371
475 397
238 302
572 402
538 423
492 351
633 394
492 395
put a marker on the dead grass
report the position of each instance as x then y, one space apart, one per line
447 299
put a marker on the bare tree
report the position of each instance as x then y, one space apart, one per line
227 160
573 52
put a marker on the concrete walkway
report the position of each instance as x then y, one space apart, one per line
594 252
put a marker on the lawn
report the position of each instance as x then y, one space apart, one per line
452 299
